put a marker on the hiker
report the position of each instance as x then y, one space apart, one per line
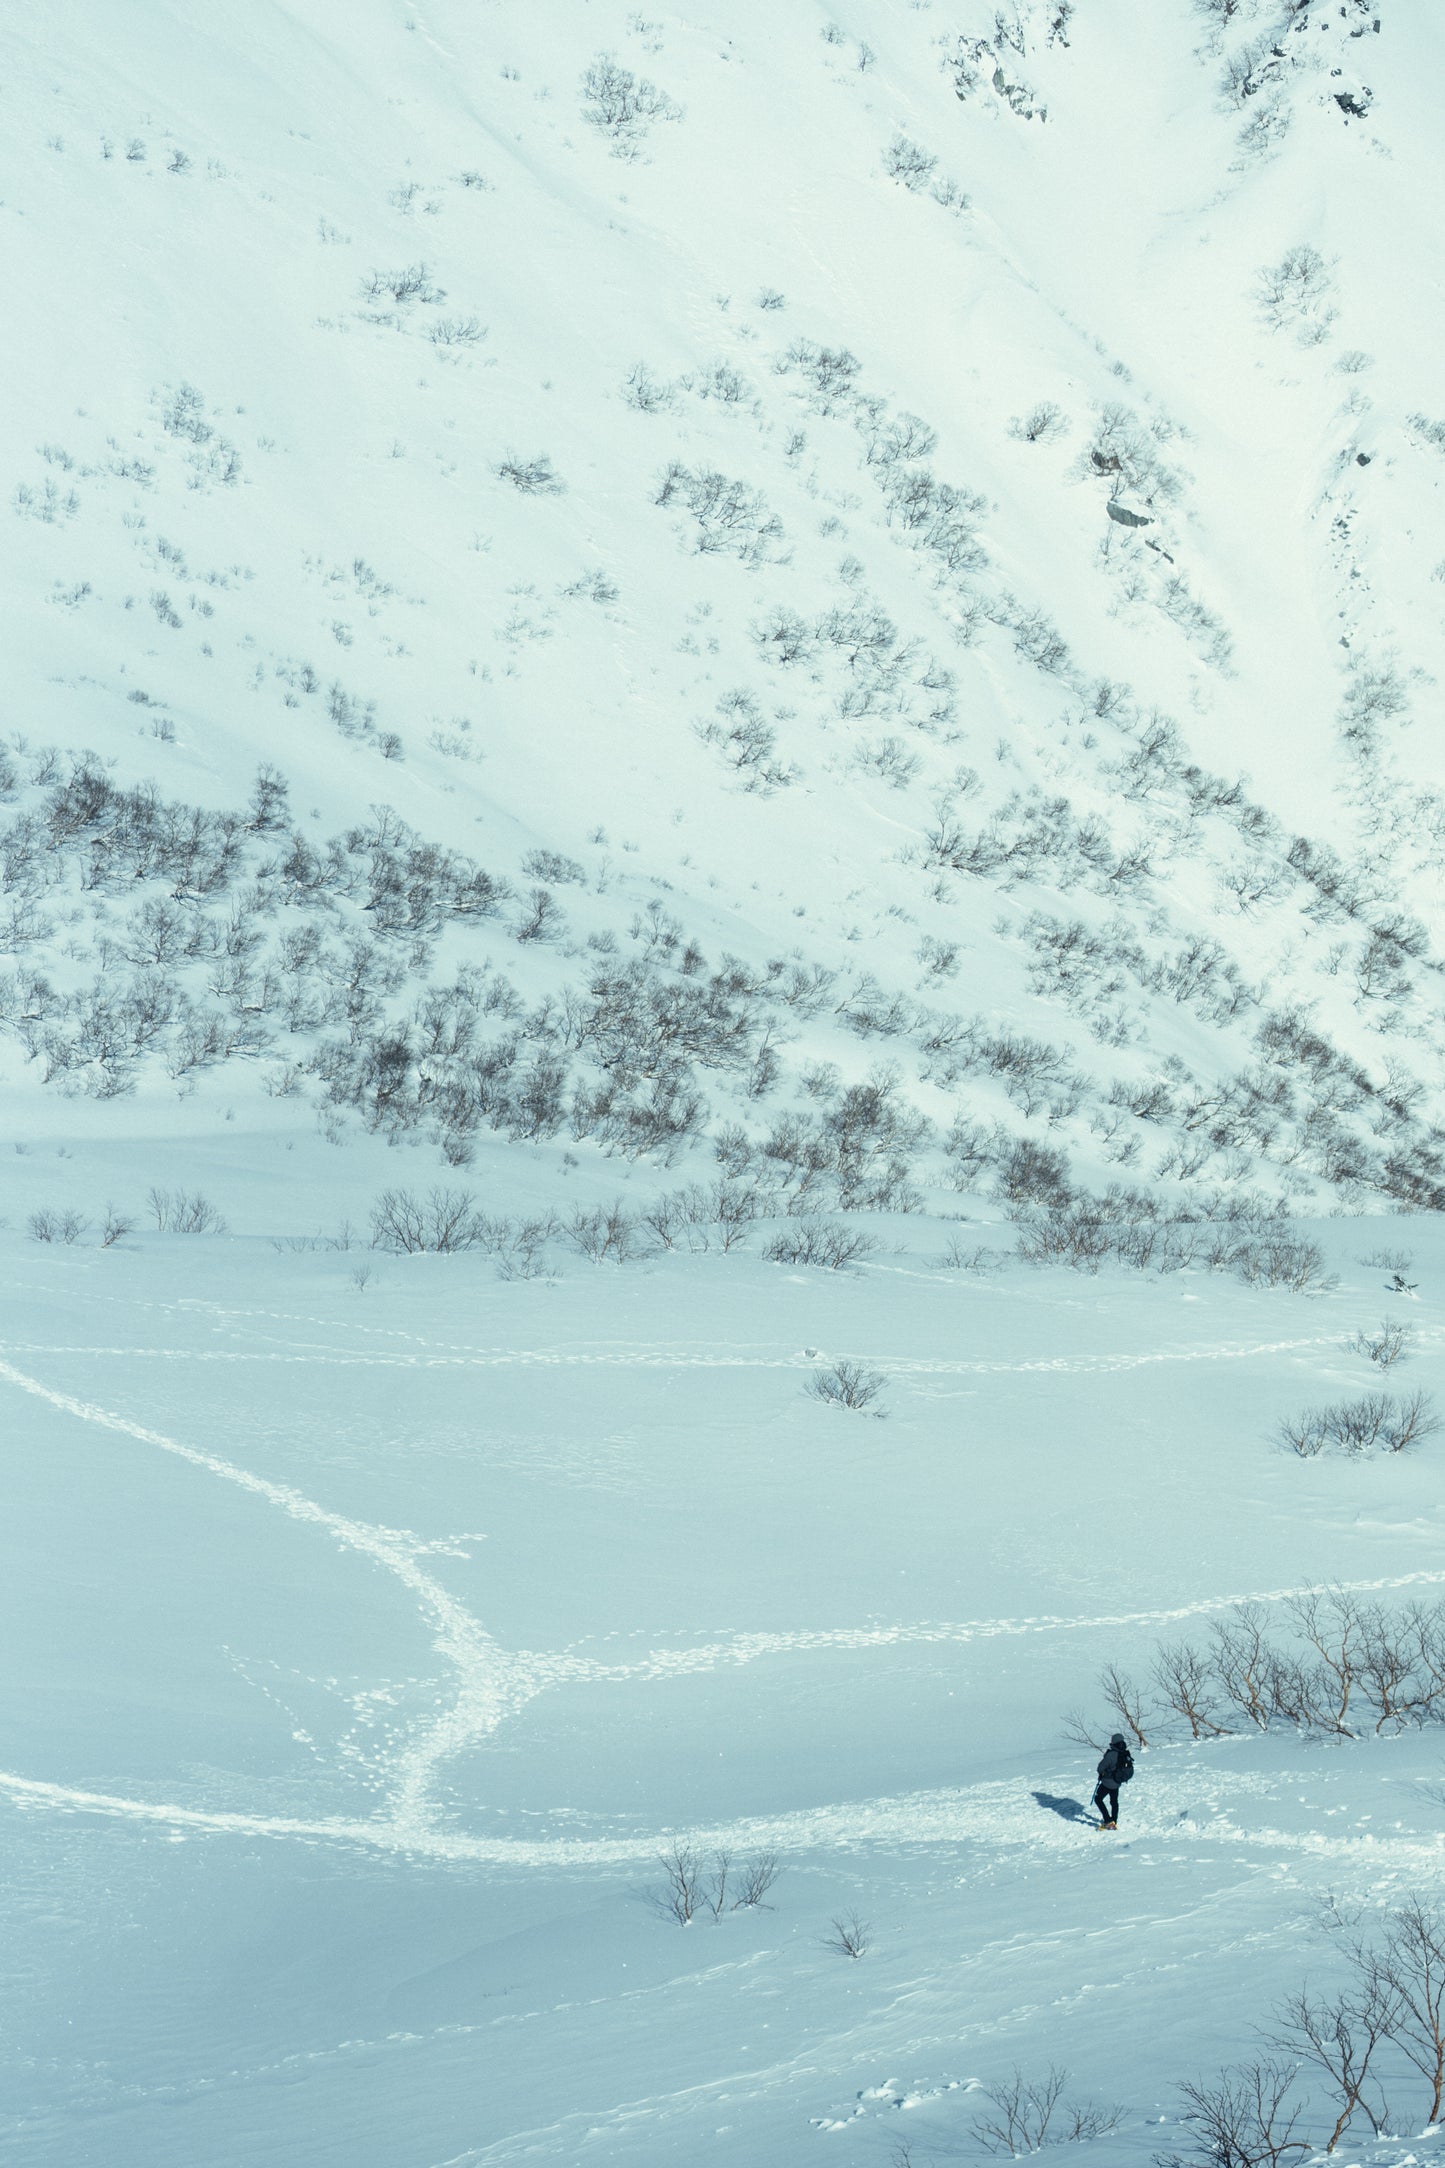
1116 1768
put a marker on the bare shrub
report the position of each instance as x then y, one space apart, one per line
621 106
1185 1683
1411 1969
1040 425
1340 2036
1294 294
1031 2113
444 1220
540 917
681 1892
756 1877
184 1212
1330 1662
1388 1260
908 162
1375 1420
1375 694
1387 1344
535 477
851 1937
1244 2117
1282 1261
520 1245
1125 1702
65 1226
453 334
1414 1418
890 759
719 1883
715 1887
848 1384
1249 68
718 1215
748 743
114 1227
605 1232
412 283
732 518
827 1243
648 393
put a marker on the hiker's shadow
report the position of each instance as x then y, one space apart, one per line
1069 1810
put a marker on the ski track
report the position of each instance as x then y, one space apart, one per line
493 1684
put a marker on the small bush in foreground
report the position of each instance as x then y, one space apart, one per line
847 1384
444 1220
717 1883
819 1242
1030 2113
184 1212
1374 1422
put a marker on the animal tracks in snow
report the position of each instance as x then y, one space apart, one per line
442 1356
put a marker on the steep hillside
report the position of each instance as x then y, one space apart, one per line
843 600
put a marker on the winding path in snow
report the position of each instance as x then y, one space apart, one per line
992 1815
491 1684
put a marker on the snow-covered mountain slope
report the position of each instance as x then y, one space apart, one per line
724 641
749 548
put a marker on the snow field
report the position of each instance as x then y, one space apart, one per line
350 1687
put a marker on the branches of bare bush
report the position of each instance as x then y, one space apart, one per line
1331 1662
717 1883
1385 1344
1028 2114
851 1937
848 1384
184 1212
443 1220
1245 2117
828 1243
1375 1421
1392 1997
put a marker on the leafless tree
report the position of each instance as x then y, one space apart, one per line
1243 1661
756 1877
1124 1698
1330 1624
1341 2036
682 1890
1184 1679
1409 1970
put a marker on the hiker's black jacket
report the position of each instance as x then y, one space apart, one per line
1116 1767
